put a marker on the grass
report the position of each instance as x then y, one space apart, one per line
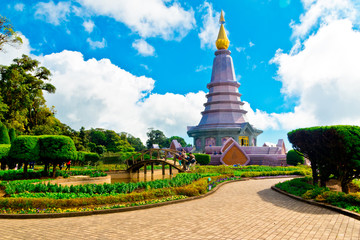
28 201
302 187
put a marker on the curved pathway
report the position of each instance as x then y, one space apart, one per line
239 210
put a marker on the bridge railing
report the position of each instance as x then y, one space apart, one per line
161 155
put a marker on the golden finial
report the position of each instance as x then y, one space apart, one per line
222 19
222 41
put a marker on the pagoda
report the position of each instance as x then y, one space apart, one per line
224 116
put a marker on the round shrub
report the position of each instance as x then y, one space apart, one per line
24 149
202 159
293 158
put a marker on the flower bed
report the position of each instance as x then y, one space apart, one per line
302 187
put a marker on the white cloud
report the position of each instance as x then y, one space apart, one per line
143 47
96 93
150 18
251 44
322 12
240 49
202 68
145 66
210 29
19 7
89 26
96 44
53 13
324 75
11 52
320 71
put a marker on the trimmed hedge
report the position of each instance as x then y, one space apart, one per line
302 187
4 150
25 149
293 158
57 148
86 157
12 134
202 159
4 134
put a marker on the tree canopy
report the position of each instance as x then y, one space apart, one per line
156 137
7 33
331 150
21 89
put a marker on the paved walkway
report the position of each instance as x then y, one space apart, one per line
239 210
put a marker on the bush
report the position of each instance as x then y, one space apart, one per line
202 159
116 158
87 157
4 134
12 134
293 158
4 150
57 148
24 149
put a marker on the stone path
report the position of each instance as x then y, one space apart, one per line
240 210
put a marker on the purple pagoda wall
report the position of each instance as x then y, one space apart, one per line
223 116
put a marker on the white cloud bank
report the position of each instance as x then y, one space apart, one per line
322 71
96 93
150 18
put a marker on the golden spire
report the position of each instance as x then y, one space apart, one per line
222 41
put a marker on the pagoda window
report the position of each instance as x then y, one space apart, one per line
244 140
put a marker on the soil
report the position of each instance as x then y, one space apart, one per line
334 185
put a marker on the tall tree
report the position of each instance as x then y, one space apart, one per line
156 137
7 33
134 141
177 138
21 88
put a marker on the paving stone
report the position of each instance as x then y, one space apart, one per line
239 210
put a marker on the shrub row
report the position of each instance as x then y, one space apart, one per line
202 159
195 188
95 189
31 174
254 171
302 187
4 150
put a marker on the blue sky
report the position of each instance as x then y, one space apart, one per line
131 65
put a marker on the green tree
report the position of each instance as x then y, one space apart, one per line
3 109
56 150
12 134
23 150
156 137
21 88
4 135
294 158
7 33
83 136
112 141
334 150
4 151
179 139
135 142
97 136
